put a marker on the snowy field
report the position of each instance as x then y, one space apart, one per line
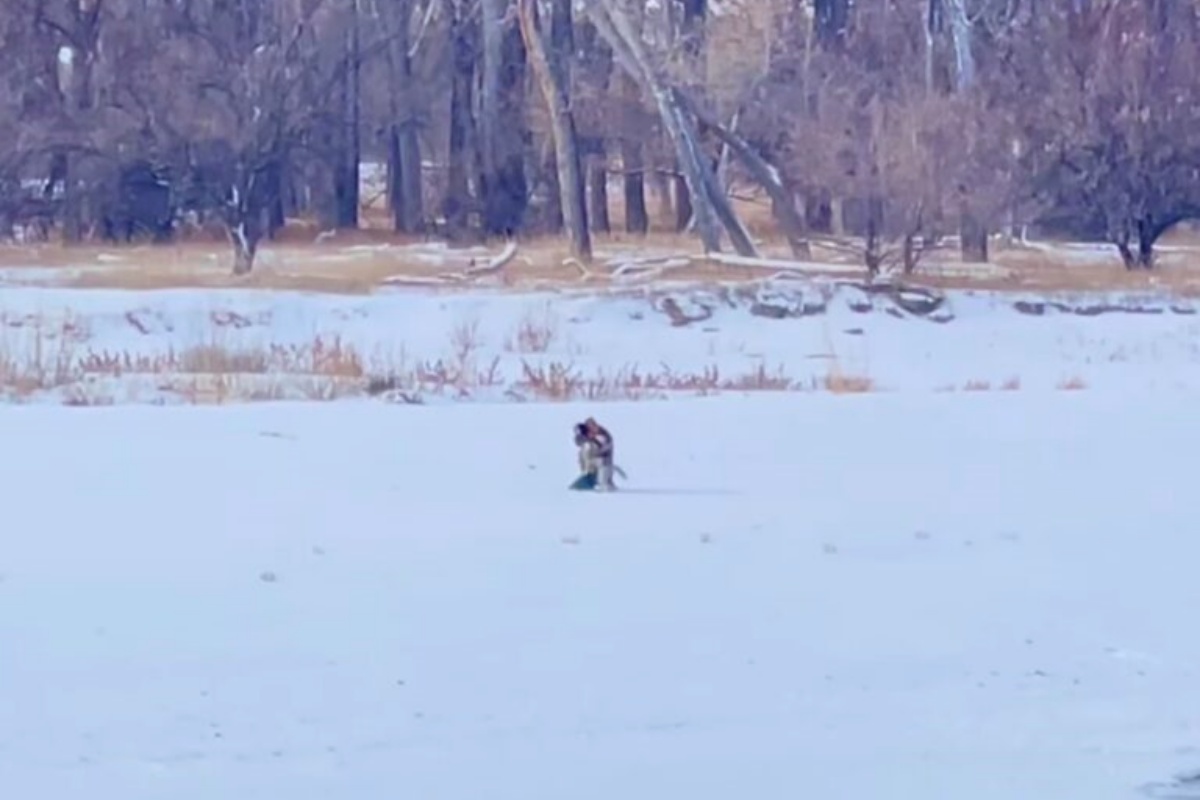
869 547
887 595
99 347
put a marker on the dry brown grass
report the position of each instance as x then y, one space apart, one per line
347 264
321 357
1011 384
1038 270
359 262
328 368
51 364
560 381
841 383
302 257
465 340
534 333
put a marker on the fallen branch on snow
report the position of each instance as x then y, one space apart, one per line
779 265
648 269
467 275
417 280
585 274
496 264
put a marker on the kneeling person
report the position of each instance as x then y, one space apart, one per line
595 455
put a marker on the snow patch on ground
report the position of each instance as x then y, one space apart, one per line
796 334
890 595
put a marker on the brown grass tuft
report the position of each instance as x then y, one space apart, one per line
533 334
40 358
323 357
560 381
841 383
465 340
1072 384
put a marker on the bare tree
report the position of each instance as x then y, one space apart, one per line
893 123
1116 131
405 188
464 46
552 70
710 205
503 184
263 85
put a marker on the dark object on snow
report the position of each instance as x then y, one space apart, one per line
584 483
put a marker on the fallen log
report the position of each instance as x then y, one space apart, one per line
648 270
779 265
495 264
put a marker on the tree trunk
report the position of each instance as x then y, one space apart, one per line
457 203
693 32
347 171
960 34
1147 235
633 164
326 179
837 216
930 29
831 20
1127 256
553 222
395 177
874 251
553 79
783 204
405 181
637 220
818 210
598 187
245 247
693 40
709 204
974 236
405 189
684 210
596 64
503 183
62 172
277 215
661 183
414 180
247 212
492 25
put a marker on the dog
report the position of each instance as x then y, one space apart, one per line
595 445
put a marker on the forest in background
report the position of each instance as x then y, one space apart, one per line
901 124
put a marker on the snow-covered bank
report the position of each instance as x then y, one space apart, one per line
888 595
97 346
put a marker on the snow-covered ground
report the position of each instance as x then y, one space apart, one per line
911 591
91 346
888 595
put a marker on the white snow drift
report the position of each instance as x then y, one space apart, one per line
914 595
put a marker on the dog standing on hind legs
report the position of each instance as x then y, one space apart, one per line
595 445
